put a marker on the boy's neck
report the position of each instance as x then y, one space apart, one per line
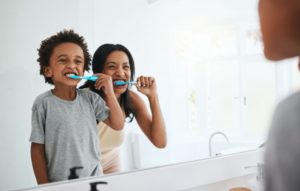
65 93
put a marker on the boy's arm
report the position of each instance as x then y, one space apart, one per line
38 160
116 118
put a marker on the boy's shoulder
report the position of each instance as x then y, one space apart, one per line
86 92
90 96
42 97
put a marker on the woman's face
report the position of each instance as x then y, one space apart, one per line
118 67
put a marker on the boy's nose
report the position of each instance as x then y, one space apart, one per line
71 65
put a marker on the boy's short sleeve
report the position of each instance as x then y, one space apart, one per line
37 125
101 110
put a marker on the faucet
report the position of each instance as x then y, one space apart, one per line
260 171
210 140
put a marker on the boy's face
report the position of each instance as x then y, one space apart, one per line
66 58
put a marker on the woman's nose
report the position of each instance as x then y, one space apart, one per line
120 72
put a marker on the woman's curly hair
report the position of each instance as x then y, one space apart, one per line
64 36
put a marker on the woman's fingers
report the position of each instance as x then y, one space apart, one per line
145 82
150 81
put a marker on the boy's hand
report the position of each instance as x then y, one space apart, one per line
146 85
104 82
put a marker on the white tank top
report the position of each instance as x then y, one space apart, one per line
110 141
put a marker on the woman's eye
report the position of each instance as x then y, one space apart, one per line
126 67
62 61
111 67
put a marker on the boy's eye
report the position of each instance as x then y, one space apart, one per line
78 62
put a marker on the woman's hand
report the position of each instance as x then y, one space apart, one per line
146 85
104 83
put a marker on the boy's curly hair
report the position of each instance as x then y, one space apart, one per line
64 36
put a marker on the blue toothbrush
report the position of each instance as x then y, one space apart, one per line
90 78
121 83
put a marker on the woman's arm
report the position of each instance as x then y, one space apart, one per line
38 160
153 124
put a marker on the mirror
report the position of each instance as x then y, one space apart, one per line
206 56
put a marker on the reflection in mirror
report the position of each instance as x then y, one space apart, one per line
205 55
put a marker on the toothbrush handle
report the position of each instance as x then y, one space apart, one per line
91 78
123 83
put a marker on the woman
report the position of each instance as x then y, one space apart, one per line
115 60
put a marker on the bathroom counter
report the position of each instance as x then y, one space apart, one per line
182 176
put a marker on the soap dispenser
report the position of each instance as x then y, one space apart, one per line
73 174
94 185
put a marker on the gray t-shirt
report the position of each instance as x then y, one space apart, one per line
282 156
69 131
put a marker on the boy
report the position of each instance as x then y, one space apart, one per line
64 119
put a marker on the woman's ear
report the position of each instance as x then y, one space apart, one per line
47 71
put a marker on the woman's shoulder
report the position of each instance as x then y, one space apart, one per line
136 100
134 96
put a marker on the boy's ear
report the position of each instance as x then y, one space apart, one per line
47 71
